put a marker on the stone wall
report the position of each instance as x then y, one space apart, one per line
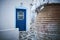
48 23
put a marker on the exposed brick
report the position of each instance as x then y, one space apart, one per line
48 21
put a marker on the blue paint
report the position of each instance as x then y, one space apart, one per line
21 24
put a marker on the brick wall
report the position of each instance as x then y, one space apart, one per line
48 23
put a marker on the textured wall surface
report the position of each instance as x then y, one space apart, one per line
48 23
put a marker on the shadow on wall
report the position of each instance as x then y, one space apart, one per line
12 34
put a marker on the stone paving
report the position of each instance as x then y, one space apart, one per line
25 35
28 35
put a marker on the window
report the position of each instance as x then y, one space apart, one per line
43 0
20 15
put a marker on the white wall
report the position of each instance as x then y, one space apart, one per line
7 13
7 18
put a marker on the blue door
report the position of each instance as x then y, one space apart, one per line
21 19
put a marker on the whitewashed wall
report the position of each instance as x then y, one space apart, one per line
7 13
7 18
